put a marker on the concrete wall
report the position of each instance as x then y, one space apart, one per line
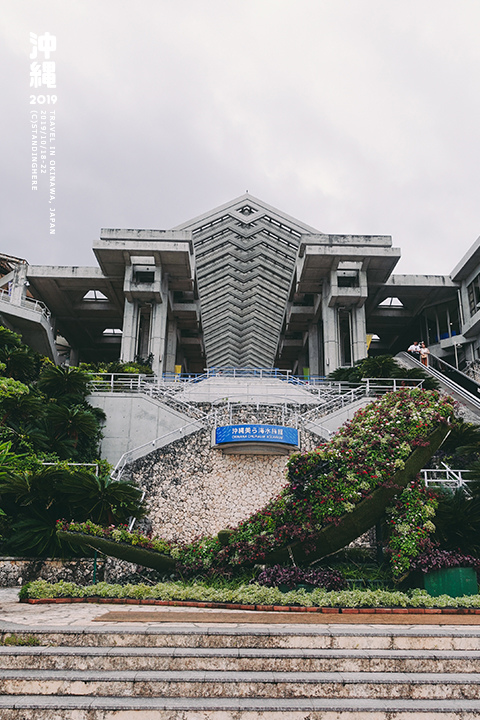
18 571
133 420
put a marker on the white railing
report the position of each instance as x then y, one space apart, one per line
224 409
382 385
129 382
121 382
334 403
330 395
148 447
143 385
29 303
261 373
446 477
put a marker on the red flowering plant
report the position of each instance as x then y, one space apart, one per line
327 483
323 485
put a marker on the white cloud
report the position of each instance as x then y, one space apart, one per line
354 116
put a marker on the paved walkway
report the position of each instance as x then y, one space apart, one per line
23 616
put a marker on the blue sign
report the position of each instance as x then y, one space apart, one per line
256 433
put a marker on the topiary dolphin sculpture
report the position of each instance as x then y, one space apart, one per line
334 493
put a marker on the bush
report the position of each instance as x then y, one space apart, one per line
442 559
252 594
293 576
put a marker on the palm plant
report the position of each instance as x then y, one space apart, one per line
71 430
35 500
457 521
462 446
66 384
102 499
20 362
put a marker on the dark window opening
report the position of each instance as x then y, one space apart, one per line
144 276
348 278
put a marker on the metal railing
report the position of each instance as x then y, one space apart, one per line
29 303
446 477
287 410
330 396
457 376
333 404
251 372
456 381
148 447
144 385
121 382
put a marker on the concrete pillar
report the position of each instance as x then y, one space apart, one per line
330 337
359 334
74 356
130 327
171 350
313 347
19 284
158 330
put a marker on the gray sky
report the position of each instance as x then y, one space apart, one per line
354 116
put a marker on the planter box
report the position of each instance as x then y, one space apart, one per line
451 581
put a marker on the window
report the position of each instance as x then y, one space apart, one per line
473 291
95 296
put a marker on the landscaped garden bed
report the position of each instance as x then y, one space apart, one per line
246 596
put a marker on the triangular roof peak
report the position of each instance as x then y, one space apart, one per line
257 205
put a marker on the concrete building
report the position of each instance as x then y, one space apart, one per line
243 285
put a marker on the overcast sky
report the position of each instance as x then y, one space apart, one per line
354 116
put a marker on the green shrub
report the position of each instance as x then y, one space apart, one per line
251 594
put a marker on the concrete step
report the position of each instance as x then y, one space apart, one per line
347 637
239 659
215 672
199 683
73 708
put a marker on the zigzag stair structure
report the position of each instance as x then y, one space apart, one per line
245 259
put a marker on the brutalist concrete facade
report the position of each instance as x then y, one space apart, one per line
243 285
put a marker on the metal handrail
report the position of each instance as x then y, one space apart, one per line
29 303
334 404
446 476
455 375
142 385
158 442
442 377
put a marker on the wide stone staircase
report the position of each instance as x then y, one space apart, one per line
215 672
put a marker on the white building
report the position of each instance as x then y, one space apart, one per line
243 285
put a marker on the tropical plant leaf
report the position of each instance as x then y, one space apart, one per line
66 384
